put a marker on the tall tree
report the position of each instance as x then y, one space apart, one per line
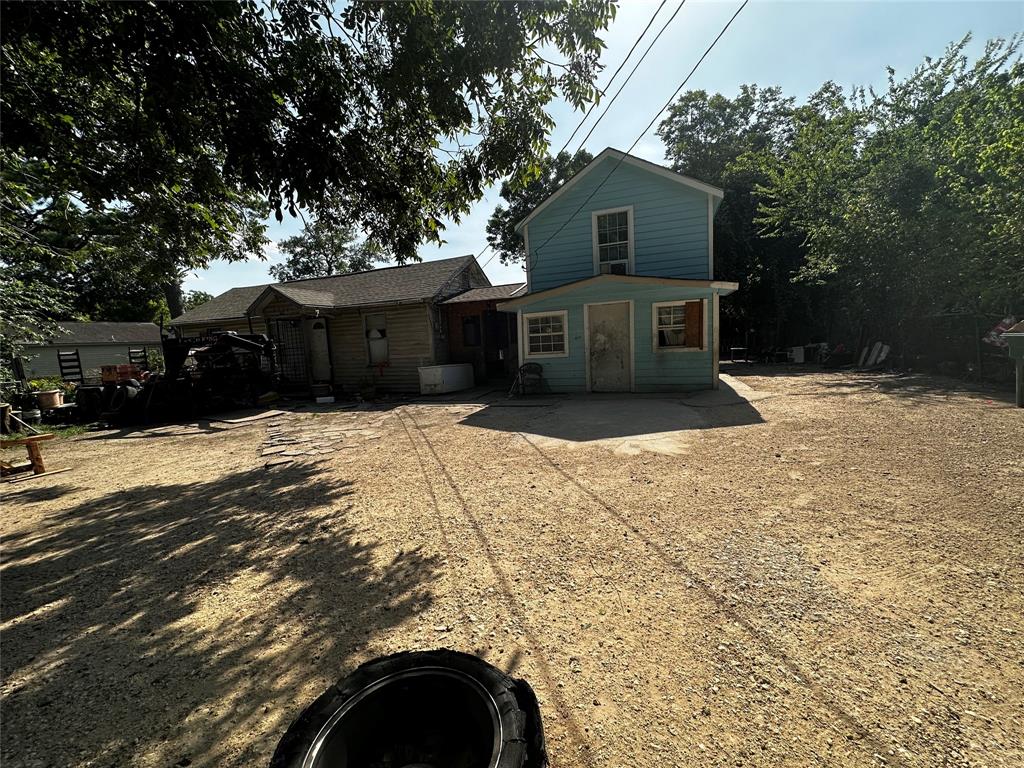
909 199
324 248
181 109
725 141
193 299
523 195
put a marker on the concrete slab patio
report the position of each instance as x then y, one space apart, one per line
627 424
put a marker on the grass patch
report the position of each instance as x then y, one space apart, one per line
71 430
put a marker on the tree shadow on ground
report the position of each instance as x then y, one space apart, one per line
33 494
162 620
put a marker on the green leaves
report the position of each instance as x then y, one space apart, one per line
523 193
297 103
861 210
326 247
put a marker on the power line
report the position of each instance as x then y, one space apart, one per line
603 91
612 78
630 76
642 133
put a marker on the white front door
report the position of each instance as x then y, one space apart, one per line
609 347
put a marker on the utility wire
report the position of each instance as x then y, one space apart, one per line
603 91
612 78
608 106
641 135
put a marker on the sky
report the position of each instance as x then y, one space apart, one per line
795 45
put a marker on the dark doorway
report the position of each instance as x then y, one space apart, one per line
290 342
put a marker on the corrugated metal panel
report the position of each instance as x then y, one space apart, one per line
669 228
408 333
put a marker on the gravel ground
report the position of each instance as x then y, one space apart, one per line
828 576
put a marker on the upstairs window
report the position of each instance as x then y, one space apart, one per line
613 241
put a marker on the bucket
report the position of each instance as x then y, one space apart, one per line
49 399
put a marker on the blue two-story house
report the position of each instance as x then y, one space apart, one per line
621 295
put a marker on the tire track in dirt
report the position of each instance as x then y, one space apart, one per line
767 643
562 707
456 581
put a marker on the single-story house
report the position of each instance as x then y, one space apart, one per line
373 328
82 348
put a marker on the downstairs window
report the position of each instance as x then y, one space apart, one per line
546 334
678 325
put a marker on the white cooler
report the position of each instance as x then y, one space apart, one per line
437 379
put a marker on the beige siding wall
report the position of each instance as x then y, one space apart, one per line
43 362
411 331
409 346
279 306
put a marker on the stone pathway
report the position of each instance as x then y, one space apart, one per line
296 437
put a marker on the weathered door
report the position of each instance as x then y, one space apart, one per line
319 350
610 347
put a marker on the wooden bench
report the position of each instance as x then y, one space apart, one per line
35 453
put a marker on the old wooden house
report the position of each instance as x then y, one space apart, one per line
374 328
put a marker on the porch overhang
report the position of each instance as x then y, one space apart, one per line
720 287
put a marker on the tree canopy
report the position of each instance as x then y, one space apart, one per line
523 195
156 137
403 113
867 214
324 248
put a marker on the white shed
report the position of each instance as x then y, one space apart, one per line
97 344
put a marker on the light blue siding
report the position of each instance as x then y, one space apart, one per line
663 371
670 227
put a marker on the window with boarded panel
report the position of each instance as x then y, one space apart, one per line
377 338
679 325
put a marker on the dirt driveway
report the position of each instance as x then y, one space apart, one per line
828 575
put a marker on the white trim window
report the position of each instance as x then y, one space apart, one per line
678 326
613 241
546 334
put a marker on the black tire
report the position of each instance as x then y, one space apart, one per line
90 403
118 399
371 717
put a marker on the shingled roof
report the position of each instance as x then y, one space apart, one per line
80 334
230 305
490 293
390 285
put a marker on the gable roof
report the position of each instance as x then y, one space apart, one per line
421 281
489 293
230 305
623 157
87 334
1016 330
